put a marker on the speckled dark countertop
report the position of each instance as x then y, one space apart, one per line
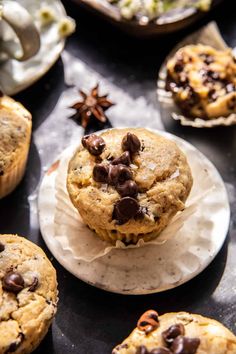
90 320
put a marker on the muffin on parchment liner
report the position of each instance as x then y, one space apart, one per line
127 184
178 333
197 83
28 295
15 135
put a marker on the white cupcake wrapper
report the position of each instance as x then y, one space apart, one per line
74 236
208 35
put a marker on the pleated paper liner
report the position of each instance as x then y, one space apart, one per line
183 249
208 35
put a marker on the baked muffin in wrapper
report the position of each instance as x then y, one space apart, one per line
15 135
196 83
158 169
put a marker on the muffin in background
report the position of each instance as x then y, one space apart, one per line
202 81
15 135
127 184
28 295
178 333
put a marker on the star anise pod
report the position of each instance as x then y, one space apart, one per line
92 105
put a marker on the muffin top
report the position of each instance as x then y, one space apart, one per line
15 131
178 333
28 292
202 81
136 178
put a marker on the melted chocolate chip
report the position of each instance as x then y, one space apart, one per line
193 99
179 66
172 332
142 350
13 282
118 174
212 95
213 75
34 284
148 322
127 189
207 58
131 143
100 173
2 247
124 159
94 144
161 350
185 345
15 345
125 209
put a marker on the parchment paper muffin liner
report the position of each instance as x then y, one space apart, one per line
208 35
181 251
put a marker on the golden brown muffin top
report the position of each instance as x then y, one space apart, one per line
202 80
180 333
15 131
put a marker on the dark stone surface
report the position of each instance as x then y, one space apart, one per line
90 320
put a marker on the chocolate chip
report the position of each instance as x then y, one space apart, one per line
172 332
100 173
13 282
118 174
230 88
127 189
212 74
142 350
131 143
193 98
148 322
160 350
15 345
212 95
94 144
207 58
183 80
2 247
125 209
34 284
124 159
179 66
185 345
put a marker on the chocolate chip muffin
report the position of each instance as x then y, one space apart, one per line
15 134
28 295
127 184
178 333
202 81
